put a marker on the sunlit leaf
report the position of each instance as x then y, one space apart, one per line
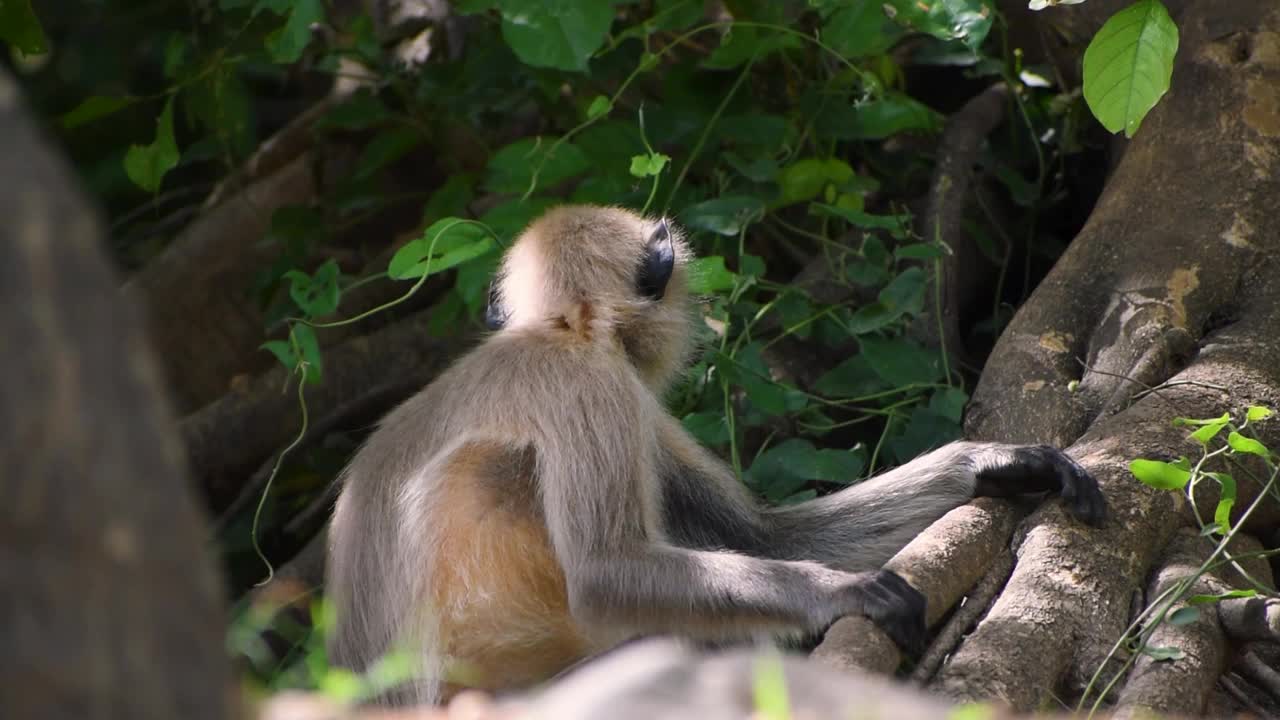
1160 475
146 165
1128 65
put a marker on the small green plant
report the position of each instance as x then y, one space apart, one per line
1183 475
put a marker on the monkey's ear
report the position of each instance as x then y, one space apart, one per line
659 261
495 316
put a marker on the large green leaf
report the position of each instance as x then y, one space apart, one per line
860 28
559 34
1128 65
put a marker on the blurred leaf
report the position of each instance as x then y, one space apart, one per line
287 43
1183 616
966 20
741 43
852 378
450 199
805 179
905 293
358 112
385 148
309 350
316 295
901 362
146 165
599 106
559 34
511 169
710 428
726 215
94 107
709 275
892 114
512 217
20 27
860 28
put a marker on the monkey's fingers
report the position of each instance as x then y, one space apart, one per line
1040 468
898 609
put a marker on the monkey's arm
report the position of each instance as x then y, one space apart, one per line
600 501
861 527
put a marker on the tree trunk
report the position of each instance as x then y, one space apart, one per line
110 607
1173 280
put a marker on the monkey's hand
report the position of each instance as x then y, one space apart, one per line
894 606
1005 471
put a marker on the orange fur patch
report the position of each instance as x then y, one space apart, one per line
497 586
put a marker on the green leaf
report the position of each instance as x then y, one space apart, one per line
1227 500
385 148
892 114
648 165
780 470
317 295
871 317
560 34
710 428
949 403
1183 616
727 215
968 21
1207 432
599 106
674 14
309 349
919 251
511 169
896 224
146 165
709 275
905 293
283 352
92 108
1128 65
742 43
1243 444
286 44
20 27
1160 475
446 243
852 378
748 370
860 28
1229 595
1257 412
450 199
806 179
901 362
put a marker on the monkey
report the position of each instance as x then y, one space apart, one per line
536 504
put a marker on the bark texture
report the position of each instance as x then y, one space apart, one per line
110 608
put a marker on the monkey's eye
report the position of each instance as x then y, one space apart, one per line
659 261
494 314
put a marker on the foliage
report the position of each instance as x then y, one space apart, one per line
762 133
1177 605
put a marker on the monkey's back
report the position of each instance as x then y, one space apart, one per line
449 481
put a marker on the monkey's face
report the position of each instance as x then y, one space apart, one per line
600 272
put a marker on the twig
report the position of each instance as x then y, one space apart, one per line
1233 688
1265 676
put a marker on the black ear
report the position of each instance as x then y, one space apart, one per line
659 261
495 316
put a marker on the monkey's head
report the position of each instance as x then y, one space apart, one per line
603 274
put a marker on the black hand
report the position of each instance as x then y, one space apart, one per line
1039 468
897 609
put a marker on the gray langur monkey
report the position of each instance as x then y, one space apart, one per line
536 505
